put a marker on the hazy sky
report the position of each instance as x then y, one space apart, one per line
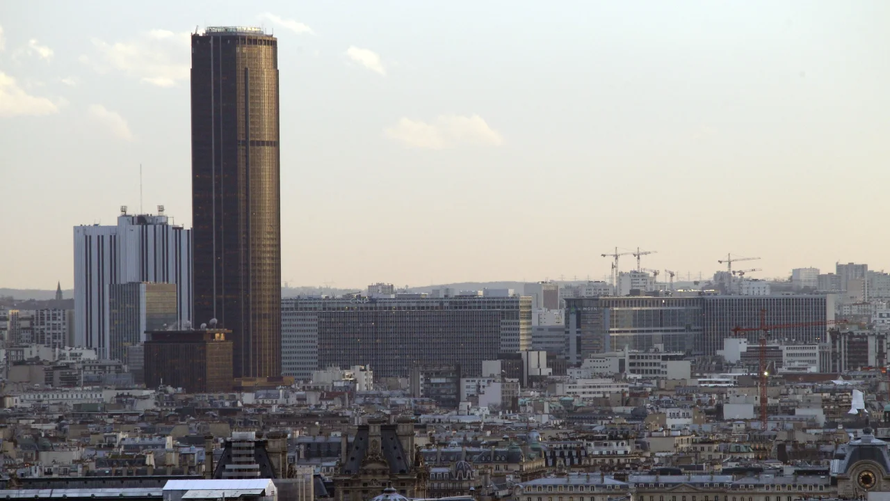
430 142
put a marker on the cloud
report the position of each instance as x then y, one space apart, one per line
42 51
447 131
367 58
157 57
2 40
69 81
111 121
14 101
290 24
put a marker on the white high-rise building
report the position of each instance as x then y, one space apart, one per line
635 280
805 278
878 285
545 295
851 271
140 248
754 288
594 289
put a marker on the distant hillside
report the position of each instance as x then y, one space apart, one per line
306 290
37 294
472 286
315 291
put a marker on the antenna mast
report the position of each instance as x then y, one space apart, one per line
140 190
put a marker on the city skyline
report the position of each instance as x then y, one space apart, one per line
617 127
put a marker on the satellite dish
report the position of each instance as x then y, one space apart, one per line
203 326
213 322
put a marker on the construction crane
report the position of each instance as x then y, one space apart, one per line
615 255
728 261
638 254
654 274
764 333
671 274
741 274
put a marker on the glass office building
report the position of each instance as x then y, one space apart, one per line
394 335
236 193
602 324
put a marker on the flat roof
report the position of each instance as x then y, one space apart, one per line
234 30
221 493
220 484
74 493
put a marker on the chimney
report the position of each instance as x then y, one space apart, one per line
486 480
405 433
208 456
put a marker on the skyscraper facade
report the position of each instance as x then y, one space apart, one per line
392 335
801 315
697 325
140 248
134 309
601 324
235 192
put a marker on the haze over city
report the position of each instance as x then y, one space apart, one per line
434 143
444 251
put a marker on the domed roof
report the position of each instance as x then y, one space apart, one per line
390 494
462 470
514 453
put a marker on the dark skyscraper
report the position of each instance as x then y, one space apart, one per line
235 192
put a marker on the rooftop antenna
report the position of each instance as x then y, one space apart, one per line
140 190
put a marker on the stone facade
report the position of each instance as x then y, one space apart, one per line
381 456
